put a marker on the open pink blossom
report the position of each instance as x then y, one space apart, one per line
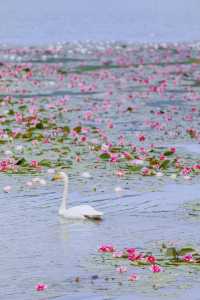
106 248
130 250
188 258
151 259
155 268
141 137
41 287
34 164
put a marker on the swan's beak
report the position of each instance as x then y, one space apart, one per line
56 177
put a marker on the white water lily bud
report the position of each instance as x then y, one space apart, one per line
118 189
159 174
86 175
8 152
7 188
43 182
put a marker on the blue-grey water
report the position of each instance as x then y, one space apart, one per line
47 21
36 245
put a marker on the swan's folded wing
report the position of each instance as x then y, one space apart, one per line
91 213
84 211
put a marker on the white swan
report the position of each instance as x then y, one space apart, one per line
77 212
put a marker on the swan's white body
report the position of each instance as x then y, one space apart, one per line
76 212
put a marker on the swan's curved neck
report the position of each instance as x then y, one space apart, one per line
65 194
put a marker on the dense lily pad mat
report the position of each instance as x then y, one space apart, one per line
126 110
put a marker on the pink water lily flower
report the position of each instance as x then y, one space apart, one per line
155 268
188 258
130 250
34 164
151 259
106 248
41 287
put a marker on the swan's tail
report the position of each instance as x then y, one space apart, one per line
97 216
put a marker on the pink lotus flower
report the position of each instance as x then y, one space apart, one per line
186 171
188 258
127 155
88 115
106 248
162 157
34 164
141 138
41 287
113 157
155 268
146 171
151 259
130 250
173 149
133 277
5 165
135 256
121 269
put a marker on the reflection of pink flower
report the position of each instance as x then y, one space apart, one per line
41 287
133 277
120 173
188 258
121 269
106 248
155 268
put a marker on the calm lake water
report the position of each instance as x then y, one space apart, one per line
42 22
38 246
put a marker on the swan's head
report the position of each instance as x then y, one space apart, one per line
60 176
